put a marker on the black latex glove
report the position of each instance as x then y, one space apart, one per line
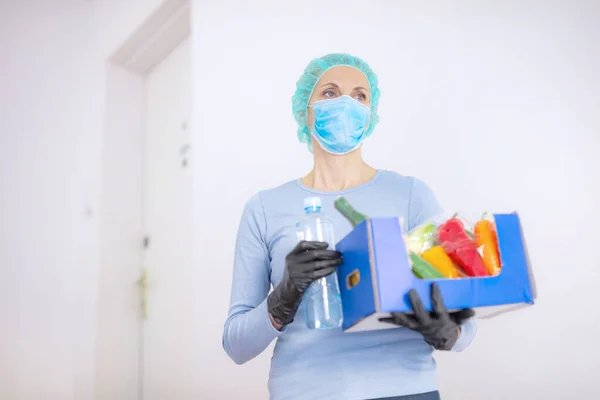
439 327
305 264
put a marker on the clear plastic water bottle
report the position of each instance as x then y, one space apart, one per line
322 301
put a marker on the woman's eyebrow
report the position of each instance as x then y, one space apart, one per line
330 84
360 87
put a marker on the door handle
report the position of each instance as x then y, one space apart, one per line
142 283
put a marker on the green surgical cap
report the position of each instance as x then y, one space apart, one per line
307 82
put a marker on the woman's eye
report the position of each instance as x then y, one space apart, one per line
361 97
329 94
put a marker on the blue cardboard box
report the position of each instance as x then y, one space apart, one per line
376 275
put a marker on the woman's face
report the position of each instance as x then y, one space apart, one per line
339 81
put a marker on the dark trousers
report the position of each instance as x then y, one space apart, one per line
424 396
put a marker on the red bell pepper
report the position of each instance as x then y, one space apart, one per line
455 241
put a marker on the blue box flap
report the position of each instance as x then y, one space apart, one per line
355 276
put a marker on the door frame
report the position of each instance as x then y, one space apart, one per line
119 321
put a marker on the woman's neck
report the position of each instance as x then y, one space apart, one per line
335 173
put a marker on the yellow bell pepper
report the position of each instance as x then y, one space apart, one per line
437 257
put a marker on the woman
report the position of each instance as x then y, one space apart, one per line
335 105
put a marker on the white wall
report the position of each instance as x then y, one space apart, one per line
118 329
495 104
52 87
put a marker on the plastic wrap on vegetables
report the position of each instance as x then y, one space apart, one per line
421 238
460 247
486 240
442 262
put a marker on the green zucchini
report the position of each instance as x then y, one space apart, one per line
422 269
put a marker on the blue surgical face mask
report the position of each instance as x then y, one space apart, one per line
340 124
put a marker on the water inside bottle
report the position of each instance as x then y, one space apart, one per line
322 301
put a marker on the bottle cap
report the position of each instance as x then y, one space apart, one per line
310 202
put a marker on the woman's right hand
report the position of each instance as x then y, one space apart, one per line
306 263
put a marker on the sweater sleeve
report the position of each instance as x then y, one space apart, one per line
467 334
248 329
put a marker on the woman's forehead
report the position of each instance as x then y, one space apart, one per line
345 77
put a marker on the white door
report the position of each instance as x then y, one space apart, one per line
169 363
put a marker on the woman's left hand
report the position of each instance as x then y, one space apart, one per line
440 328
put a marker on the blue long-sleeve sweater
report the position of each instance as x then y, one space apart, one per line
313 364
